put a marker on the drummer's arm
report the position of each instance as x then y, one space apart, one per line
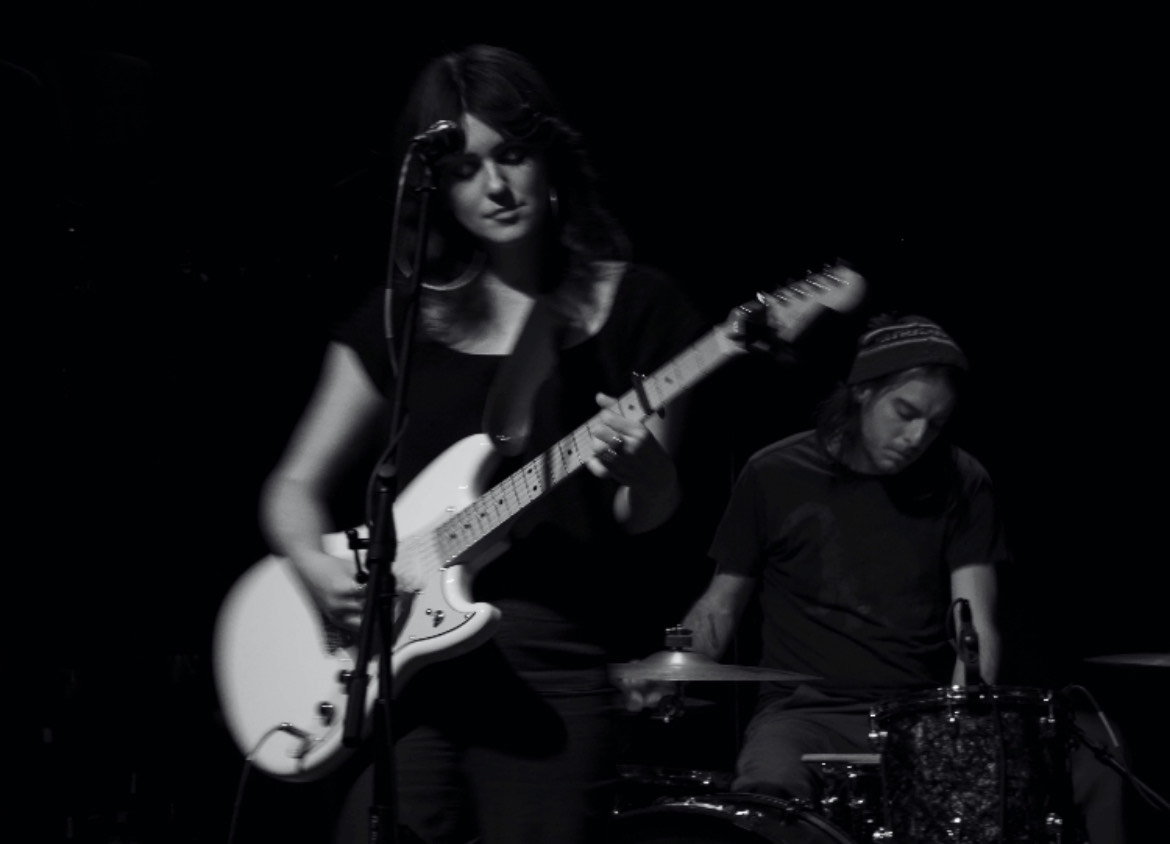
977 583
712 620
716 614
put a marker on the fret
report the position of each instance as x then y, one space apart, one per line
667 382
468 526
520 488
514 493
449 540
522 484
560 464
574 451
630 407
581 447
679 374
559 461
500 500
653 387
487 516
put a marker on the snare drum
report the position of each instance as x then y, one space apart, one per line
725 819
979 764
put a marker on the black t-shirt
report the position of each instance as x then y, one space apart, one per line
855 585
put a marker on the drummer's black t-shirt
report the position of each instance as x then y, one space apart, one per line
855 584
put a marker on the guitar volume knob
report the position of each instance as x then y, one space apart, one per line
326 711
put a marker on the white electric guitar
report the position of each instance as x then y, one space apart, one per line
278 663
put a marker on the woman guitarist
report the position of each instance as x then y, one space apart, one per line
506 740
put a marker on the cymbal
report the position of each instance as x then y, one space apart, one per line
674 666
1154 660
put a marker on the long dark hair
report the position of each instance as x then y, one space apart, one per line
505 91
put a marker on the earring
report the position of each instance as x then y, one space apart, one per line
554 202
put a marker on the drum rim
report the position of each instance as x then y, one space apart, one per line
730 805
670 773
960 695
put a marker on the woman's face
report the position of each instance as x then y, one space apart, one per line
498 188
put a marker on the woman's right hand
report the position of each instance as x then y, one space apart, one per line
331 583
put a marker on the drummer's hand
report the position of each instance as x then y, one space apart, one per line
645 694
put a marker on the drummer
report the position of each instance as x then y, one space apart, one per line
865 539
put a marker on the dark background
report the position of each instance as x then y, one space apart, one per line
197 193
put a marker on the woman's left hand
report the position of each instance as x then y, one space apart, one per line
626 451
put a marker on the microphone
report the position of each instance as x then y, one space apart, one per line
968 645
442 138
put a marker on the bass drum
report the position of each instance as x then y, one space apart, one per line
725 819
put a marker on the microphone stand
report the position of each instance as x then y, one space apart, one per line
1102 754
968 646
376 634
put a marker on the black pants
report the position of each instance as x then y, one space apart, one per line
483 756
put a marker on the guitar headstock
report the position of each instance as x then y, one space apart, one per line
786 312
793 307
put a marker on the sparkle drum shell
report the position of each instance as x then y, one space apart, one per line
982 764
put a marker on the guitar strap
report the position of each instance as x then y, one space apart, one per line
507 415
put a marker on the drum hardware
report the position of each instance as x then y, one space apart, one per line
640 786
980 765
953 695
1055 826
1048 722
670 706
851 796
1078 736
673 706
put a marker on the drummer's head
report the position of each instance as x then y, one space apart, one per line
900 393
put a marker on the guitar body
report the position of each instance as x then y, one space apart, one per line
278 662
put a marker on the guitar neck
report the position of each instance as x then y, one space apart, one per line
503 502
